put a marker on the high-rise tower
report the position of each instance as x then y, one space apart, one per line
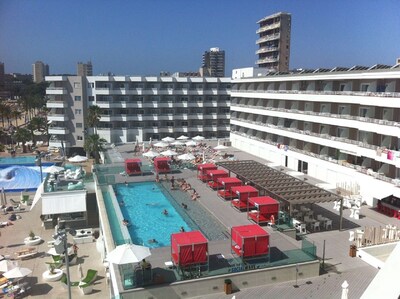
85 69
274 42
40 70
213 63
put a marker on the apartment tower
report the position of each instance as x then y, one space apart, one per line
39 70
84 69
213 63
274 42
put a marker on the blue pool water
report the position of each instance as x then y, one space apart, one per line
144 204
18 160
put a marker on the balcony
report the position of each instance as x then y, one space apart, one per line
267 49
268 27
267 60
58 130
57 117
268 37
56 104
56 91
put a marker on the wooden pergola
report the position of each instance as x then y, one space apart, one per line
288 190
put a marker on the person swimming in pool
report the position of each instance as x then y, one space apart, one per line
165 212
153 241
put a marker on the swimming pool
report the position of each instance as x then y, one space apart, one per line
17 160
143 207
19 177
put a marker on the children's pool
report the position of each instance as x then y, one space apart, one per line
143 207
20 175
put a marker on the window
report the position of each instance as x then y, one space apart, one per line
79 125
77 85
90 85
91 98
78 111
79 137
78 98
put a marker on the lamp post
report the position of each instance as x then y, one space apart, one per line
61 247
38 162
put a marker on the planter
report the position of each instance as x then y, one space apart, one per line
29 242
228 286
47 276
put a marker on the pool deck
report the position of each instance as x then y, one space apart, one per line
338 265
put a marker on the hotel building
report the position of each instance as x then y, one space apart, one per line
339 125
274 42
137 108
213 63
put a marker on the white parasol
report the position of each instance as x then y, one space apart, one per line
186 157
183 137
198 138
151 154
177 143
17 272
128 253
168 139
169 153
53 169
220 147
78 159
160 144
7 265
191 143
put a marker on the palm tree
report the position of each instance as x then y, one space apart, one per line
37 123
94 144
93 118
22 135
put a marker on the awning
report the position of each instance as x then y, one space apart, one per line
64 202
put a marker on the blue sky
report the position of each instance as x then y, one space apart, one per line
144 37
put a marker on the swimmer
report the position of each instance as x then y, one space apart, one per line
182 229
165 212
126 183
152 241
125 222
121 203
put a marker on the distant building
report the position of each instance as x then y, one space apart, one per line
137 108
274 42
85 69
1 74
39 71
213 63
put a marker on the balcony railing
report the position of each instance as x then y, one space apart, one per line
324 114
358 168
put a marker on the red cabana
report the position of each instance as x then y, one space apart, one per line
202 168
162 164
189 248
226 184
213 176
243 193
132 166
266 211
249 241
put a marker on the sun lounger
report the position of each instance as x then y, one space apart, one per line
26 253
15 202
91 276
64 282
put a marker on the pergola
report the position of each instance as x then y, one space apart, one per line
288 190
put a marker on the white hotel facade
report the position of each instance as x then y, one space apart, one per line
341 126
137 108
